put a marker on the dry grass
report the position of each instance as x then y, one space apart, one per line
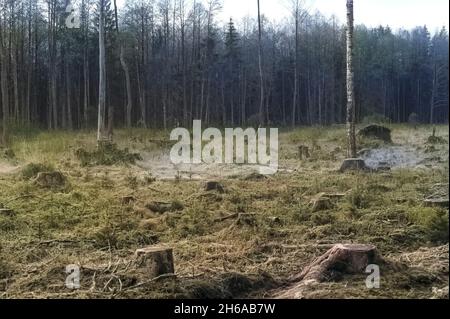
86 223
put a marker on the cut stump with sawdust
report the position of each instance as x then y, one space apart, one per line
154 261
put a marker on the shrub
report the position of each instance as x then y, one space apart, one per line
106 154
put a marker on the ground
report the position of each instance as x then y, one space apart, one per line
98 215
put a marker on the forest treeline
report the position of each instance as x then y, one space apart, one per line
171 61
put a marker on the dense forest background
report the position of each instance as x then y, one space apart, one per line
171 61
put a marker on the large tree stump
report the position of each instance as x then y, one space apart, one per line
353 164
344 259
154 261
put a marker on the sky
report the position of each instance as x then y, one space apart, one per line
395 13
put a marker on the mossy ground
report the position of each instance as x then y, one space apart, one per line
87 223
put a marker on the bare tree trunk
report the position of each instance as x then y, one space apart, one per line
15 84
350 85
102 72
126 71
69 97
433 94
244 99
86 97
128 86
261 75
4 88
297 22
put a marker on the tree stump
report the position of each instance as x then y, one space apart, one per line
303 152
246 219
346 259
127 200
154 261
320 204
353 164
50 179
214 186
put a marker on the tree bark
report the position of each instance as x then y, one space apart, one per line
260 64
102 75
351 129
4 88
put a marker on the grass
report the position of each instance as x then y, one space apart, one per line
88 224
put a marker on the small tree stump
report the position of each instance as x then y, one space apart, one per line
247 219
50 179
353 164
154 261
321 203
214 186
127 200
303 152
347 259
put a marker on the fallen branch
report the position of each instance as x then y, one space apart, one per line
165 276
222 219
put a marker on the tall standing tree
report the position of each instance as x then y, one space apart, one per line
126 71
102 73
297 12
260 64
351 125
4 80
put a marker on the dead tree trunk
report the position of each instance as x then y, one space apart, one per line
351 152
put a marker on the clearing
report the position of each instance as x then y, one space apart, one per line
249 237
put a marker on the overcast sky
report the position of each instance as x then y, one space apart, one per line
395 13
